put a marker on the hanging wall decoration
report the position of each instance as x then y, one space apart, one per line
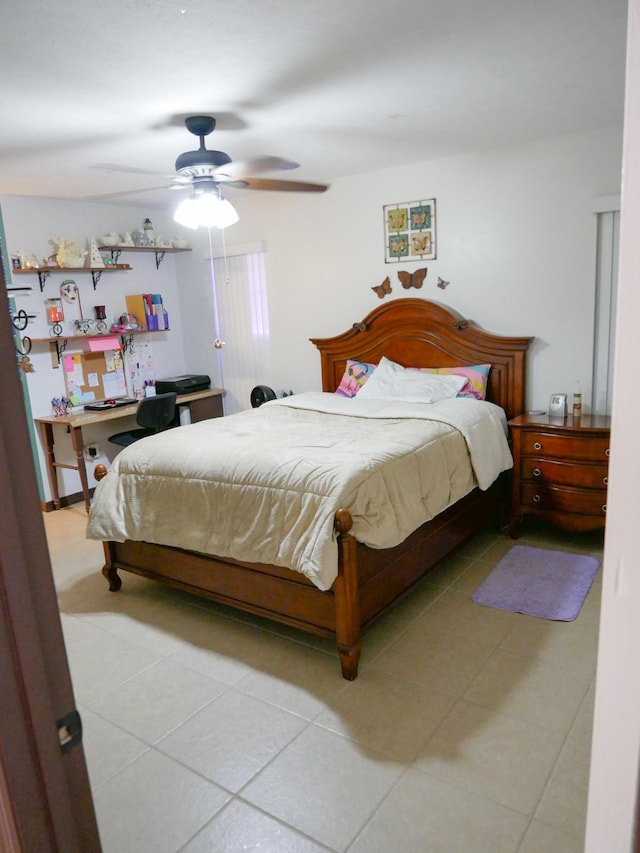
410 231
382 289
412 279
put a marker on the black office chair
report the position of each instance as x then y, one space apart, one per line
154 414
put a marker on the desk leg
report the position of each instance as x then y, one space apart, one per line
78 445
47 438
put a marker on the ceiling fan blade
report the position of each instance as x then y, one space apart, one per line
237 169
128 170
278 186
125 192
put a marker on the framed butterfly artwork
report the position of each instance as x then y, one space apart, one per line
410 231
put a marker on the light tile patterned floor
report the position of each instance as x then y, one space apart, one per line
468 728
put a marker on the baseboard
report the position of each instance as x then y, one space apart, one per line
67 500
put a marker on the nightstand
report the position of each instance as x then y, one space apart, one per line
560 470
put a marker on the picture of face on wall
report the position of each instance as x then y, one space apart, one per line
410 230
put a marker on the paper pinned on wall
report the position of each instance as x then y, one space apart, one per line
101 344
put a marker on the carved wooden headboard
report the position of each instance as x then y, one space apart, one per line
419 333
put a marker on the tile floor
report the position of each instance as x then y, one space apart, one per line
468 728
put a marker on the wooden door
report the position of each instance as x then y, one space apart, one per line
45 798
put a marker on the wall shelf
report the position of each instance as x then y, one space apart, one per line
159 251
43 273
58 344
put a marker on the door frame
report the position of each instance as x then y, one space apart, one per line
45 796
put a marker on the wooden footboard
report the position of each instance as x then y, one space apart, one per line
369 581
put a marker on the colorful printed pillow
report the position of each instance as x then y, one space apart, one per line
354 377
477 378
391 381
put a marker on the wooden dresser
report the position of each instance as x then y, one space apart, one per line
560 468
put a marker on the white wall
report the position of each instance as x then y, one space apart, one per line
30 223
516 239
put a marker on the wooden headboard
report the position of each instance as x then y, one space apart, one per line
419 333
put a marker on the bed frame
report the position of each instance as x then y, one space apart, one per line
413 332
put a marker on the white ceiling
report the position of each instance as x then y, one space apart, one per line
92 90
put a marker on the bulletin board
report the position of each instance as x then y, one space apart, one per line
91 376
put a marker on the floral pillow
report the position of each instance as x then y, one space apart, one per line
354 377
477 378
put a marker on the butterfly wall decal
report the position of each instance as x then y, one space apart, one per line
442 284
412 279
382 289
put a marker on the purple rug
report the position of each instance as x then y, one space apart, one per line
548 584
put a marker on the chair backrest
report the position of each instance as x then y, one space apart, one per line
157 412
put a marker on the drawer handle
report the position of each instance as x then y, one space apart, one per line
607 452
537 445
536 499
605 480
536 472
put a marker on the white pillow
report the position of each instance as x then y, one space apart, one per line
391 381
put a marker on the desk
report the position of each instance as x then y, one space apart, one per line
202 406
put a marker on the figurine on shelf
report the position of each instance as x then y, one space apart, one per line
95 258
140 238
110 239
68 254
83 327
127 239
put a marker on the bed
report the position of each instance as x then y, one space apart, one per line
368 580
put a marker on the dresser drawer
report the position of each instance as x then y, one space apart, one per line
549 471
580 448
547 498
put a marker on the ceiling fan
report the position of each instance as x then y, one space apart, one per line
205 168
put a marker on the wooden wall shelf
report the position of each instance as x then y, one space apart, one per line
43 273
58 344
159 251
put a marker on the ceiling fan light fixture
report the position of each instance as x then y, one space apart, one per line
205 208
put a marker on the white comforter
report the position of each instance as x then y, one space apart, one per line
264 485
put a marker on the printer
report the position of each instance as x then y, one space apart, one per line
183 384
